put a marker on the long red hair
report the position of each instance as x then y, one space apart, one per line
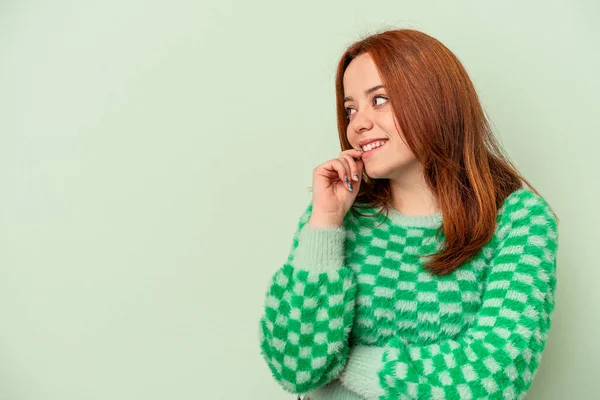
438 110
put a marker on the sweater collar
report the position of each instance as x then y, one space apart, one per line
415 221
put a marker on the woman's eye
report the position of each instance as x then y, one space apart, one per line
380 97
349 109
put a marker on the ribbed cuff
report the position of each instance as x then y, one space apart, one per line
320 249
361 373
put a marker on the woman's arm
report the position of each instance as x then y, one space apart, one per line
309 310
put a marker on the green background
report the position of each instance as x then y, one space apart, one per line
155 157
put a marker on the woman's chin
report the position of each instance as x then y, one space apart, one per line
376 174
392 171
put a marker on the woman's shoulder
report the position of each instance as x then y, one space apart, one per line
522 208
524 201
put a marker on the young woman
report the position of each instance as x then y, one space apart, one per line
423 268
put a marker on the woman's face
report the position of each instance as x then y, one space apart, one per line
371 117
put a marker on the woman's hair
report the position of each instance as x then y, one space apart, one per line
444 125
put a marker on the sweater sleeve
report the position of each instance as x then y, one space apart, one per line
498 356
309 310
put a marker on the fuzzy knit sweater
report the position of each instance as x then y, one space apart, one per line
356 300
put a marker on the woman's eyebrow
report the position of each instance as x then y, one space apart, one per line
367 92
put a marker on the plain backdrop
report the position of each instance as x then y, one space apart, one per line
155 157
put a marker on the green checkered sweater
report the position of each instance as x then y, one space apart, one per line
356 300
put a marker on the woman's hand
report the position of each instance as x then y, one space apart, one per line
335 186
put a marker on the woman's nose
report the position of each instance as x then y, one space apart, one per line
362 122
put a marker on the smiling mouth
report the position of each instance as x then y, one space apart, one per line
373 146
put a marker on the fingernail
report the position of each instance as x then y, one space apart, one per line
350 186
355 177
346 179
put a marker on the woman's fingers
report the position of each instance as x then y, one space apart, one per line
335 167
353 153
354 166
353 169
347 168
